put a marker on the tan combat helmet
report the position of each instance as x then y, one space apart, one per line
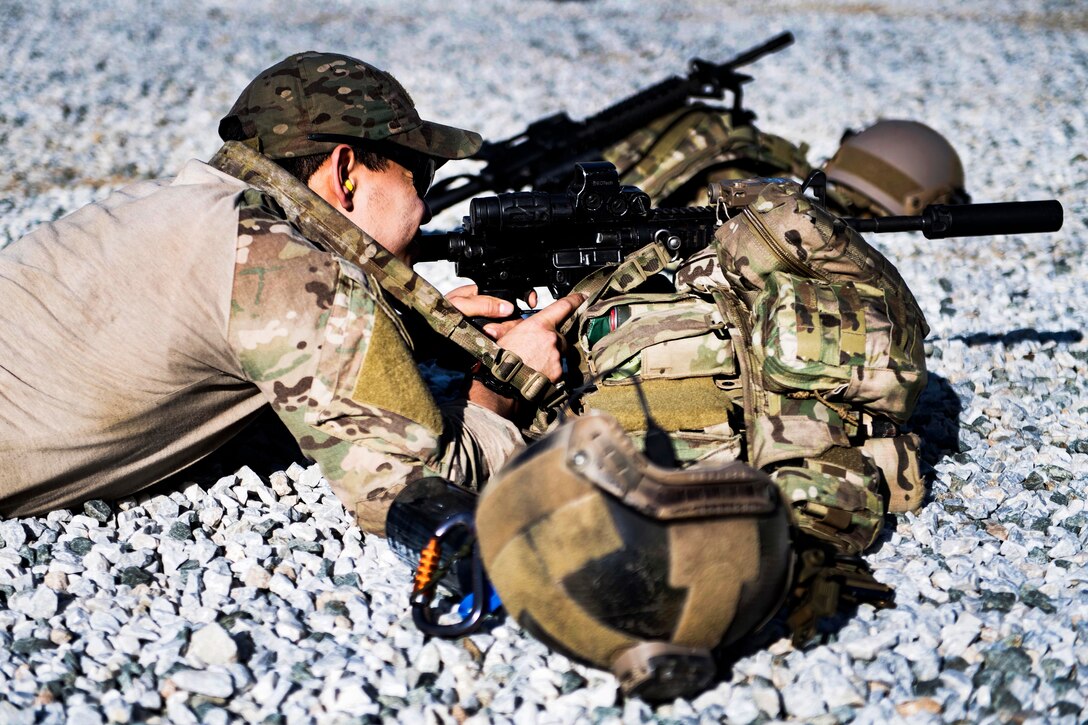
612 559
897 168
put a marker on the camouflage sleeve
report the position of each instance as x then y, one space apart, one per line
311 332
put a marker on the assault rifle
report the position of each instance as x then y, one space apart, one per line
511 243
540 157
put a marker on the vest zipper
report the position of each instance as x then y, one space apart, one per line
788 260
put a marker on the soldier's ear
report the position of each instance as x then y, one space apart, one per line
341 164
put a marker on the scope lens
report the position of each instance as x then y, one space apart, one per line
485 212
519 210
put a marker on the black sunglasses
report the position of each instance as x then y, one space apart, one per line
420 165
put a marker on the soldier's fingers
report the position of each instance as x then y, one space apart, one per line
559 310
482 306
497 329
465 290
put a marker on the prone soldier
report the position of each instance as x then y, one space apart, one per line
143 331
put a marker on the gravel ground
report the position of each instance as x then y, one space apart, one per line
244 592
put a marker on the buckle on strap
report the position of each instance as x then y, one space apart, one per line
826 581
510 376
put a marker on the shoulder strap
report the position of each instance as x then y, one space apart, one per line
323 225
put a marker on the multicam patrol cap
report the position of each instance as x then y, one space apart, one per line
320 95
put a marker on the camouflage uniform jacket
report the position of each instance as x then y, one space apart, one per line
141 332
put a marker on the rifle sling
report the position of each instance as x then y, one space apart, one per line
636 268
323 225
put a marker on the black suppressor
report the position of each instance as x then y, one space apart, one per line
939 221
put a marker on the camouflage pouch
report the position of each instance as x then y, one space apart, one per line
669 354
783 231
897 458
835 498
673 336
701 272
826 336
837 340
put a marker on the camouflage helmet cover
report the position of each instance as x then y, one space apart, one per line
327 93
609 558
901 166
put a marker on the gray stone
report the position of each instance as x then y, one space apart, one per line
877 640
40 603
280 483
218 581
30 645
210 516
79 545
98 510
83 715
767 698
104 622
213 645
204 682
177 712
571 681
180 530
131 576
165 508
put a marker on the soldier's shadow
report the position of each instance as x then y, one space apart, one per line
264 445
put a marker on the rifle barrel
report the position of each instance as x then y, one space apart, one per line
771 46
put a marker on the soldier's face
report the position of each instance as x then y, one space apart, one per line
387 207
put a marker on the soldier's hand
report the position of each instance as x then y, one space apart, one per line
470 303
535 339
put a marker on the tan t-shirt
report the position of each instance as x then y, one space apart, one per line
114 366
116 363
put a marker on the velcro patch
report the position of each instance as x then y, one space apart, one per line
388 378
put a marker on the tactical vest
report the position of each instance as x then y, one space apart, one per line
789 343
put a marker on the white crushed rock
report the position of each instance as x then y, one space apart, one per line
250 596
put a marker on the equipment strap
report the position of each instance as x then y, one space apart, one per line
636 268
823 582
323 225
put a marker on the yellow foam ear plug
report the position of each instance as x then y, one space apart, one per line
349 185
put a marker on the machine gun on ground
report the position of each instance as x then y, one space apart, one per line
540 157
513 242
